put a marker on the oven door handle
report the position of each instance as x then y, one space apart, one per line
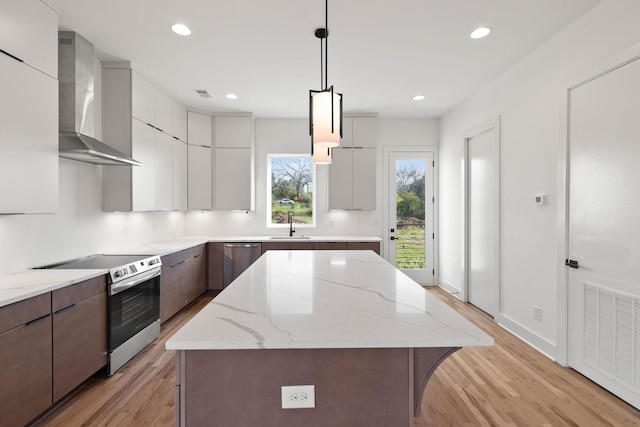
120 287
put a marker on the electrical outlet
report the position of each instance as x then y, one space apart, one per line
537 313
298 396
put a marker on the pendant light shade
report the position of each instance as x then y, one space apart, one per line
322 156
326 120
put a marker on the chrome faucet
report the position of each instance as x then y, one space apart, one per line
290 221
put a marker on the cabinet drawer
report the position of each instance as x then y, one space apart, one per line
26 373
22 312
78 292
79 343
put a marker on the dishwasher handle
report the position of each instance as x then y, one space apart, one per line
242 245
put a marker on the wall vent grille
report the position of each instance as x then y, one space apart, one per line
611 336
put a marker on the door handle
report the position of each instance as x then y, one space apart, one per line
571 263
392 238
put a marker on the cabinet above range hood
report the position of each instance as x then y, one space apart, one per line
75 73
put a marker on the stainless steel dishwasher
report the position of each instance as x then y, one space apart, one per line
237 258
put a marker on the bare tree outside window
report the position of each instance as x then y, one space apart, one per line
291 189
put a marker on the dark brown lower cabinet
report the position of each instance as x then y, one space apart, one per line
79 334
25 360
183 279
215 274
215 254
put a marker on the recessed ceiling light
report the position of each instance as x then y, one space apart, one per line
418 97
231 96
181 29
479 33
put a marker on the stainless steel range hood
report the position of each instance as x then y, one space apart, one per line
75 73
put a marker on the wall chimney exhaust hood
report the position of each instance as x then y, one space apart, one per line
75 73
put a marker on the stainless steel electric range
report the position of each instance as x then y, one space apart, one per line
133 302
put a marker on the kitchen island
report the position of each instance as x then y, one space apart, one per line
347 322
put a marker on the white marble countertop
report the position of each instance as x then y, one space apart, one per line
25 284
325 299
30 283
170 246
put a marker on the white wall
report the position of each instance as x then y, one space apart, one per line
529 99
291 136
80 228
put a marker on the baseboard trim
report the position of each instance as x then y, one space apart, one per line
534 340
453 290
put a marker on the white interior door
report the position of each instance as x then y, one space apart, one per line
483 219
604 231
411 236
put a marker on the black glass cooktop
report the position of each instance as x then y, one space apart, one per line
98 262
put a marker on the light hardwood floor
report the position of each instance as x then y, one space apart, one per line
509 384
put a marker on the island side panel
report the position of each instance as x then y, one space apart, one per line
242 387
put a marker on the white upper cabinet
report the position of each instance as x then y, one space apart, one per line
233 132
138 120
28 107
359 131
180 175
179 121
164 172
199 129
150 105
199 191
234 178
163 113
352 172
144 177
28 139
143 99
29 31
364 179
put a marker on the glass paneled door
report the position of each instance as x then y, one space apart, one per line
410 222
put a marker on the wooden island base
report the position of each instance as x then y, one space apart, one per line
353 387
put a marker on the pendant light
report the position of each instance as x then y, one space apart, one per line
325 106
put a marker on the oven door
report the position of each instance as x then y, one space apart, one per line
132 306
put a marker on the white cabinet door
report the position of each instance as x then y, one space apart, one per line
163 112
29 31
341 180
143 99
28 139
180 177
364 179
234 179
144 177
365 131
179 121
347 132
233 132
199 129
199 177
164 171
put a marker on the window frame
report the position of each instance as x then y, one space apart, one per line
270 224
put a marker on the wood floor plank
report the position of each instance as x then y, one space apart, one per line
509 384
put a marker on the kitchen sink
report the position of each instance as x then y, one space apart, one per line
289 237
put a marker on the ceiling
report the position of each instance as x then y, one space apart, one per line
381 53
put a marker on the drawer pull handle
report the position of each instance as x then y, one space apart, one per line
38 319
64 308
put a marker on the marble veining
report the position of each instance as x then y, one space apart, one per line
325 299
30 283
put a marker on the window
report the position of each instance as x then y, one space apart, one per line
291 179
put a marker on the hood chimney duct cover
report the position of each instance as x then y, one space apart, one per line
75 74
